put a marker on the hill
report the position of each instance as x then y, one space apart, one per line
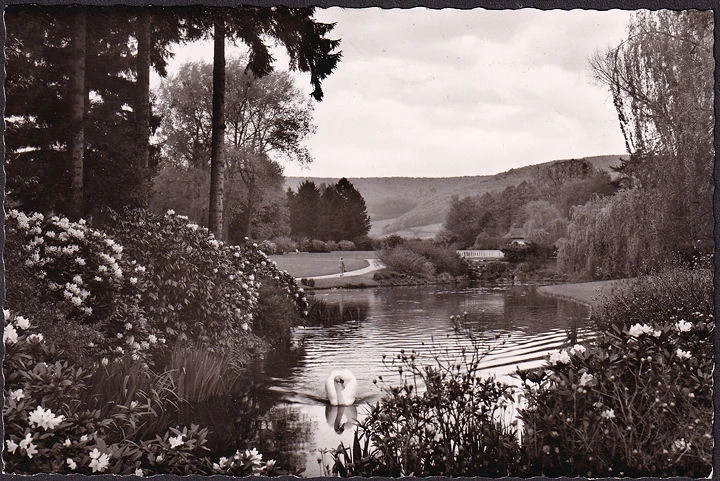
416 206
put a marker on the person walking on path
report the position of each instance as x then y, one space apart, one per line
342 267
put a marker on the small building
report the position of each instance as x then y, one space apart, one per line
517 236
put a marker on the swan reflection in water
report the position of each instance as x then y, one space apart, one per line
341 418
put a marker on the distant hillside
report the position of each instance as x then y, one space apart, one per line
416 206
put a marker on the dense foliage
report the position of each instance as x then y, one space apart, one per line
638 401
192 276
38 106
85 284
538 208
666 115
54 424
421 258
330 212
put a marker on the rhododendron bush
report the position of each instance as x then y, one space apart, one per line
149 280
638 401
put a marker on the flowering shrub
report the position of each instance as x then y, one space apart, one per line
78 283
49 429
639 401
199 288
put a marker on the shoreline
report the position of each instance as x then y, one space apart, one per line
590 294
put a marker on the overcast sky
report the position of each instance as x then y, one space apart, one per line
427 93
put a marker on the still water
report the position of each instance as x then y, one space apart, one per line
284 412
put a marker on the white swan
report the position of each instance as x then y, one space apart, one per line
341 387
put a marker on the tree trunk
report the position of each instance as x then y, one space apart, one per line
217 149
142 109
77 112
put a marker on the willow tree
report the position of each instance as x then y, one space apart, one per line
661 80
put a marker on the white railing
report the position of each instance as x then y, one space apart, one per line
481 254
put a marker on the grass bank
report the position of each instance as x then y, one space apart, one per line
589 293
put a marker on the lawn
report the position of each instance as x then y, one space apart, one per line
590 293
307 264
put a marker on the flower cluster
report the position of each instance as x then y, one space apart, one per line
624 403
244 463
76 274
44 418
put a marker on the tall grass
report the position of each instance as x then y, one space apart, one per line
325 314
201 375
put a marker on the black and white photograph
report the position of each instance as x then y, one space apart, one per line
356 242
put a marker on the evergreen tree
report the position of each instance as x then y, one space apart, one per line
304 207
329 222
354 219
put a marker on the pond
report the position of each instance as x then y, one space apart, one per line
284 410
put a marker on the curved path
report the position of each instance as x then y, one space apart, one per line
374 265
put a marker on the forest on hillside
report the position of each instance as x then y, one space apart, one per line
657 211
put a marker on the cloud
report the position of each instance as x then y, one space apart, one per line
458 92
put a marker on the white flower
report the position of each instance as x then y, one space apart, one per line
139 472
253 456
561 357
176 441
11 446
77 280
99 461
10 335
681 445
578 348
24 443
586 378
80 261
104 361
27 445
35 338
22 322
83 438
152 338
245 326
44 418
683 326
683 354
6 313
71 464
17 395
170 212
67 443
608 414
159 458
133 280
31 450
270 464
638 330
102 268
